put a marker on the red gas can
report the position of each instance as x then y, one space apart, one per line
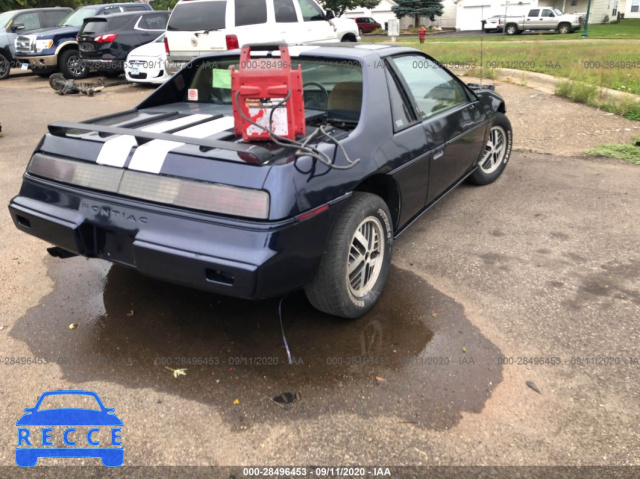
258 85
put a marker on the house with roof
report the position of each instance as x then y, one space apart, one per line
382 13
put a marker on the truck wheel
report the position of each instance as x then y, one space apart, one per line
564 28
5 67
72 65
356 261
496 153
349 38
512 29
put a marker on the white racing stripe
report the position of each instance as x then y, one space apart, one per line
150 156
115 151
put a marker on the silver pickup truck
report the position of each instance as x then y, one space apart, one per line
542 19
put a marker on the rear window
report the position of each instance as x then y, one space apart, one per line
97 28
102 26
250 12
198 16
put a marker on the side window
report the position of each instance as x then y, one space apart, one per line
110 10
534 13
285 11
31 21
433 89
135 8
547 13
400 112
310 11
250 12
53 18
153 22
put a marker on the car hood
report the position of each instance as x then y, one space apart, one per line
69 417
149 50
55 31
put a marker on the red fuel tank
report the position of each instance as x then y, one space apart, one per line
258 85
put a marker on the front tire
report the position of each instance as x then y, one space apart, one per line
5 67
356 261
72 66
496 153
564 28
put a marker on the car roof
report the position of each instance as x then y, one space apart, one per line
125 14
37 9
124 4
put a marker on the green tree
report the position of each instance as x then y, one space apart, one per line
418 8
163 4
340 6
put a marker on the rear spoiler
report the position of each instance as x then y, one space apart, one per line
261 154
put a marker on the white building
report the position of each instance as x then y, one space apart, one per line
470 13
630 8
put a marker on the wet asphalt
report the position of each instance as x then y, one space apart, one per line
540 268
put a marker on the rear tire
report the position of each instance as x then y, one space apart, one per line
5 67
512 29
496 153
356 260
72 66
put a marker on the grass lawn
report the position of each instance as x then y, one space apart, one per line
606 64
630 153
626 29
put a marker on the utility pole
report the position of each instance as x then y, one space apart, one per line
586 21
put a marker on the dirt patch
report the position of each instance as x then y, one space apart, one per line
545 123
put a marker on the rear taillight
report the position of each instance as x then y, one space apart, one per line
166 46
232 42
106 38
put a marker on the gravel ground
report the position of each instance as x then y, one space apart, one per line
541 264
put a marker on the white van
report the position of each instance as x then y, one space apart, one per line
198 27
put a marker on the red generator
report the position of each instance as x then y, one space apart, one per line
258 86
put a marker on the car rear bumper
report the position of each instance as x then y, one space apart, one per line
233 257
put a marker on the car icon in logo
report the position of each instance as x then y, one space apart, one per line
36 428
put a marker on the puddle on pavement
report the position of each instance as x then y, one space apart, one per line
405 358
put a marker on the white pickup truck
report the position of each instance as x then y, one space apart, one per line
542 19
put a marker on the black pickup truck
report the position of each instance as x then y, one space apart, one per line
167 188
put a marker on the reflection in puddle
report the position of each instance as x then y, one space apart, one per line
415 355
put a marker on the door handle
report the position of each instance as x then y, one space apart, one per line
438 154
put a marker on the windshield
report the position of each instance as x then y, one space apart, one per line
76 18
331 86
64 401
557 11
192 17
5 18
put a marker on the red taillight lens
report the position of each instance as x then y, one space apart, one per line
166 46
106 38
232 42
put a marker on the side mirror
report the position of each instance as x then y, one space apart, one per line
328 15
17 26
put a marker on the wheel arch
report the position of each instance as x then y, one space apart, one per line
386 188
349 37
66 46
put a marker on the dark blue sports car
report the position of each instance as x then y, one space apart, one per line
169 189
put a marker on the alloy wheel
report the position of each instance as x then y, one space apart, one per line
365 256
